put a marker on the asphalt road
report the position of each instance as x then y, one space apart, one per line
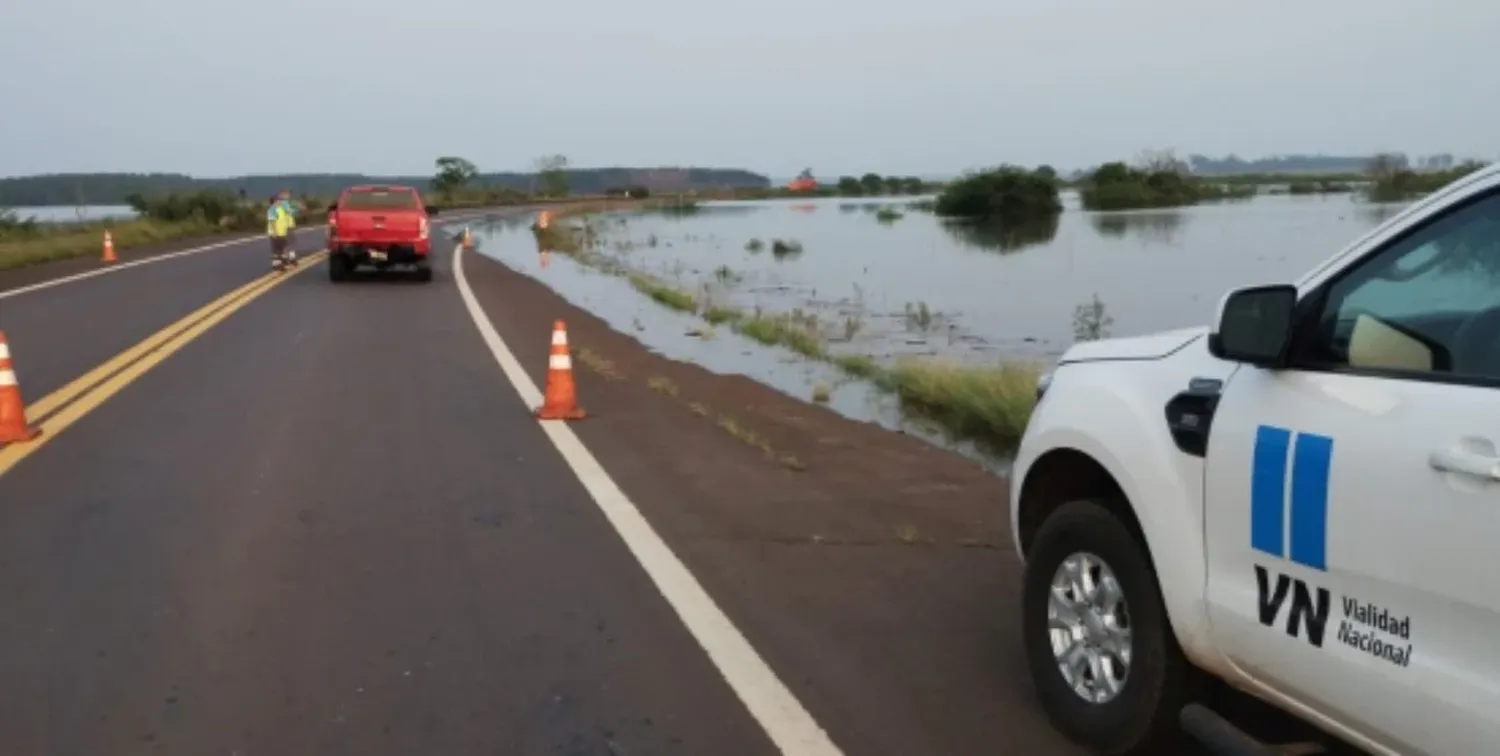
327 525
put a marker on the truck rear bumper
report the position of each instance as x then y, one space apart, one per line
381 253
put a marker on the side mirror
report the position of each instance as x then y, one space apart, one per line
1255 325
433 210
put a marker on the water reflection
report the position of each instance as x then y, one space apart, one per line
1157 226
1003 237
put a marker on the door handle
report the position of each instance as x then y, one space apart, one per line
1475 457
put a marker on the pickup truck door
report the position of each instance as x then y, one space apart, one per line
1353 499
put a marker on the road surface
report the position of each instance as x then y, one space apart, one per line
296 517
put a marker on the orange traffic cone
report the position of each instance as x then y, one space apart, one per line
468 239
109 248
561 400
543 219
13 427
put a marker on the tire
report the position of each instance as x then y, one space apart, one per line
339 268
424 273
1142 718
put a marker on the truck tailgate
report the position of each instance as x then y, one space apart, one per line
377 227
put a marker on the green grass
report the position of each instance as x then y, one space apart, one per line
664 294
1394 184
782 330
989 403
858 365
717 315
46 243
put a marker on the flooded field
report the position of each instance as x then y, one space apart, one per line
880 278
70 214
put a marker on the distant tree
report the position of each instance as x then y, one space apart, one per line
805 175
1046 171
1112 173
552 175
872 182
913 185
850 186
895 185
1161 161
453 174
1386 165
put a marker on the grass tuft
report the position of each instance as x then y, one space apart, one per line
668 296
991 403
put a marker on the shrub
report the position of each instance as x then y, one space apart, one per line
1006 193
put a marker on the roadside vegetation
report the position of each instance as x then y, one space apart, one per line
1158 179
164 218
1391 179
1319 186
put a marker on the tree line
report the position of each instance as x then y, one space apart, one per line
874 184
75 189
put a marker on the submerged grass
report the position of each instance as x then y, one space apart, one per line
991 403
782 330
664 294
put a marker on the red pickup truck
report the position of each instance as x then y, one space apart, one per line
380 226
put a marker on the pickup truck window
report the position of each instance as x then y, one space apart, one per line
1428 306
381 200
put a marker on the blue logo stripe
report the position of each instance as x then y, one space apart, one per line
1310 464
1268 490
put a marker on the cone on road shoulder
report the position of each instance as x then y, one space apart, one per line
109 248
13 427
468 239
561 399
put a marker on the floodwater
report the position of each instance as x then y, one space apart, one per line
916 285
70 214
990 294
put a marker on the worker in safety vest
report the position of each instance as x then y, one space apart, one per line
281 221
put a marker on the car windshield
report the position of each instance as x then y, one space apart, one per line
381 199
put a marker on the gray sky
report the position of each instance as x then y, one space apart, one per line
384 86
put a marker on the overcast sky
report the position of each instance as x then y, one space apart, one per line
210 87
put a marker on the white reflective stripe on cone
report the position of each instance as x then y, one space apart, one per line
559 362
7 378
4 351
559 338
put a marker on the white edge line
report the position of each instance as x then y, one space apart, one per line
122 266
116 267
790 727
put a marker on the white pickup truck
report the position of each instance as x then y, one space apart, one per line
1302 501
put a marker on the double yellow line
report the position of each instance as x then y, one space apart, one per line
65 406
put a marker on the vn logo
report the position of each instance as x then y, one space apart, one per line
1301 537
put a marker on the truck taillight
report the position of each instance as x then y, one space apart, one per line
422 229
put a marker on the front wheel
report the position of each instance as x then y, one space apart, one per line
1105 663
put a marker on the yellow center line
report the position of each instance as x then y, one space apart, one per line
67 405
